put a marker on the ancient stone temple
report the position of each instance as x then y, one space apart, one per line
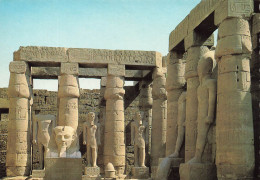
190 115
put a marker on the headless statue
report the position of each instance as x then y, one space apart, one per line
206 93
89 138
138 140
181 124
42 128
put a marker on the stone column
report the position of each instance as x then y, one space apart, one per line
194 54
18 158
255 88
234 125
68 95
114 142
174 83
102 119
145 106
158 118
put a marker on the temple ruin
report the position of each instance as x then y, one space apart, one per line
194 112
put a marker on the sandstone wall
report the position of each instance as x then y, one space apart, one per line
45 102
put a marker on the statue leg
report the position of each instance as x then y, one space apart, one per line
136 155
89 156
94 156
142 156
181 133
41 154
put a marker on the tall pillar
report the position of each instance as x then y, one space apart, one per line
191 76
18 158
234 125
68 95
114 142
158 118
145 106
174 83
102 119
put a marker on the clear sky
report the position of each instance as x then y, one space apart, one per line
101 24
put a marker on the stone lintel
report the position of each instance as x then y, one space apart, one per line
85 56
116 70
233 8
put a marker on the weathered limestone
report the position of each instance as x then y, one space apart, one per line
140 172
174 83
191 75
91 138
139 140
114 143
110 171
18 158
42 129
159 118
234 135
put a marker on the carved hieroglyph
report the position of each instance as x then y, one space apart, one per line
114 142
234 124
43 126
18 157
206 94
138 139
91 138
174 85
159 116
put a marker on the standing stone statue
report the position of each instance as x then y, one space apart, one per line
42 128
206 93
181 124
138 139
90 130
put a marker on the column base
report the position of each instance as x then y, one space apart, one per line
63 168
154 171
201 171
38 173
92 172
140 172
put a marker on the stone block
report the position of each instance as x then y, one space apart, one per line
103 81
154 171
41 54
63 168
85 177
236 44
115 159
198 39
256 24
38 173
92 172
233 8
179 33
198 171
69 68
234 26
12 171
20 67
235 172
116 70
233 63
117 105
140 172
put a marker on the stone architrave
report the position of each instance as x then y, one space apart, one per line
234 124
174 85
42 129
159 118
114 142
18 155
91 138
191 75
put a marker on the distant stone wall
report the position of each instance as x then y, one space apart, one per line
45 102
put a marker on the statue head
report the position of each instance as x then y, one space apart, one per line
206 64
64 137
91 118
138 118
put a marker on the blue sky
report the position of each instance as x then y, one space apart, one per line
104 24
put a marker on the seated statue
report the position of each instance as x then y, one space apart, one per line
90 130
64 143
206 93
42 128
138 140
